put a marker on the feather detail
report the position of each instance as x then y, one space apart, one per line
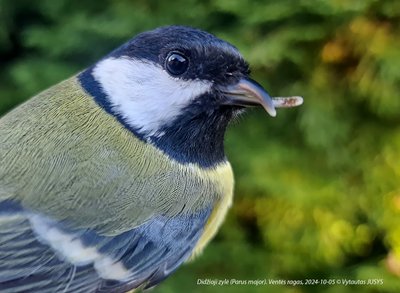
83 166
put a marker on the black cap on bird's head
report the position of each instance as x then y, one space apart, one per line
178 88
187 53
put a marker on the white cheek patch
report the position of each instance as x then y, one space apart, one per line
145 94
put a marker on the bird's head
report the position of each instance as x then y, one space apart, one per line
177 88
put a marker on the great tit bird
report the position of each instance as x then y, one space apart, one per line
113 178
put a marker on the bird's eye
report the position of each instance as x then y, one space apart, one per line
176 63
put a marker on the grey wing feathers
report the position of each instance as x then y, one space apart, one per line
150 253
27 265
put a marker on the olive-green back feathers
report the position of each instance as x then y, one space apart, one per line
61 154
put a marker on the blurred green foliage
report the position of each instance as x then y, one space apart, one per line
317 192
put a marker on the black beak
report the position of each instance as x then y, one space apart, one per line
247 92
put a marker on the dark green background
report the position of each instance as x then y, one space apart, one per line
317 191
